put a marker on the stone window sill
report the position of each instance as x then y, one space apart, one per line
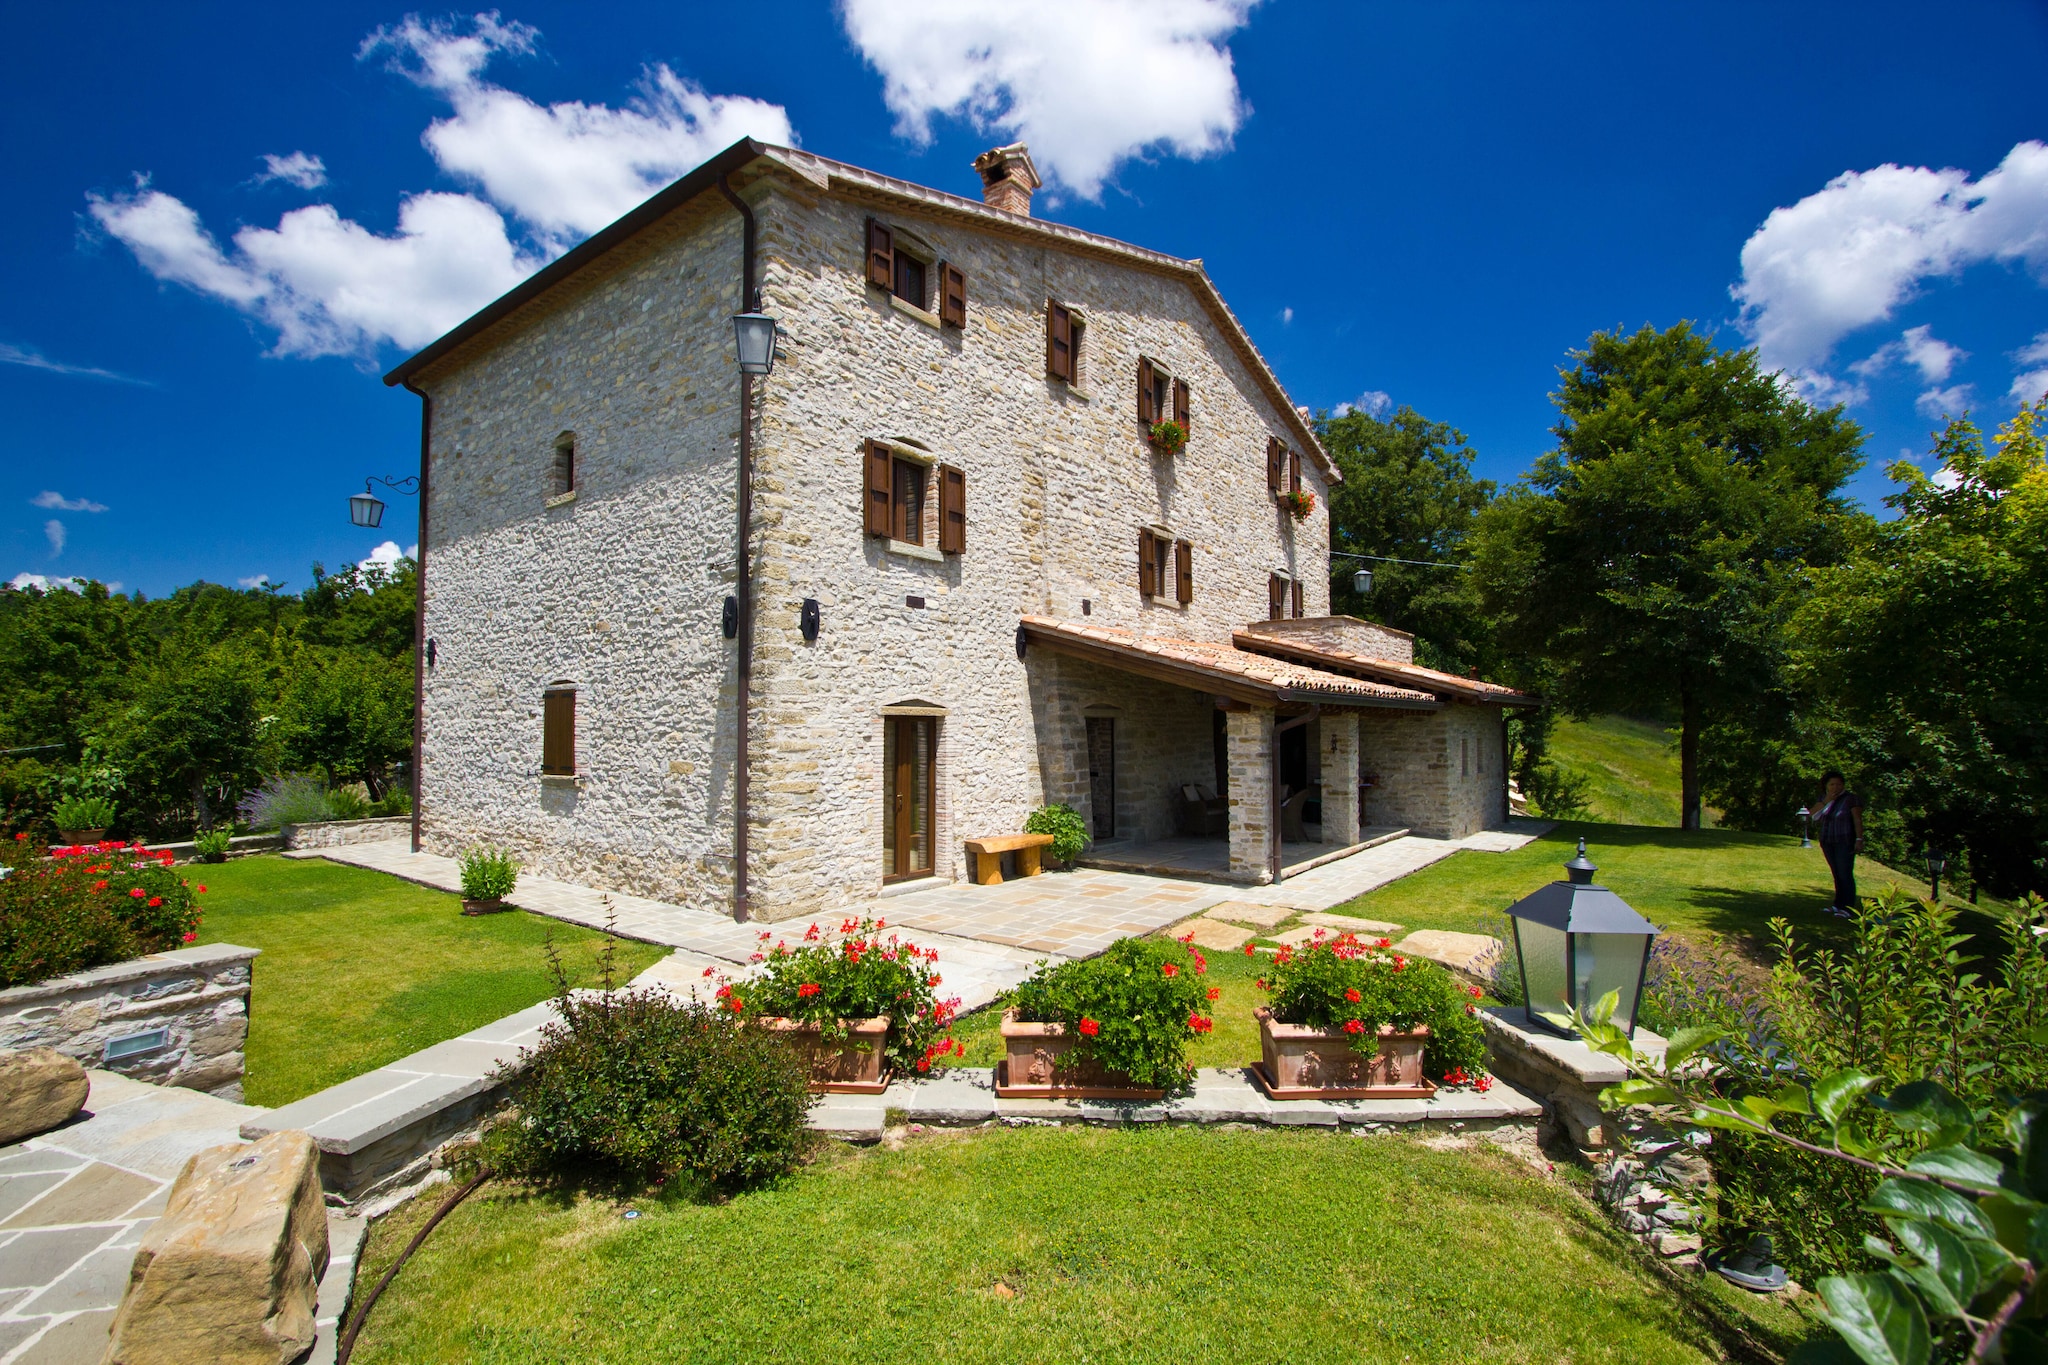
561 499
909 551
903 306
562 779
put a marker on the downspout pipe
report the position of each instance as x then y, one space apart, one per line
743 579
419 615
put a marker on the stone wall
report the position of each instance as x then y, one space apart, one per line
198 995
1348 633
1441 773
335 833
1165 739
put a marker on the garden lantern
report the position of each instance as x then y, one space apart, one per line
1937 863
366 508
1805 827
1361 582
1576 942
754 335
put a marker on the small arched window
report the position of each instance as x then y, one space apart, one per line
558 730
562 471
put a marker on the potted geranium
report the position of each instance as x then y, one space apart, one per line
1168 437
1115 1026
1351 1019
857 1004
1300 502
488 876
83 819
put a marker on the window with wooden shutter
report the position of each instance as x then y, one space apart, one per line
1276 465
952 295
880 480
952 510
1184 572
558 732
1059 342
1148 411
1294 471
1276 597
881 255
1148 567
1180 405
1298 613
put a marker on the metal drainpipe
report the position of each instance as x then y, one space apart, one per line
1273 785
743 575
419 619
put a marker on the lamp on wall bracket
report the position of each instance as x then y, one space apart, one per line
754 339
367 509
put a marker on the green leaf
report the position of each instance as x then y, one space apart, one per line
1926 1107
1948 1269
1634 1091
1931 1203
1686 1043
2037 1238
2013 1217
1963 1165
1791 1099
1604 1007
1882 1323
1832 1095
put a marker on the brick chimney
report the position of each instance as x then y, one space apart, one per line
1008 178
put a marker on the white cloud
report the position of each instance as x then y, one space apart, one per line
1373 403
54 501
567 169
36 360
23 581
1918 347
2029 386
53 531
1938 402
1286 316
1088 83
387 555
303 169
1853 252
260 580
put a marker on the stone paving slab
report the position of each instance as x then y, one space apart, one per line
1204 932
1244 912
1351 924
1471 954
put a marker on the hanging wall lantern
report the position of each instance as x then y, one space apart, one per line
1576 942
754 336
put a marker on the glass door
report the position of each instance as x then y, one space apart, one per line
907 744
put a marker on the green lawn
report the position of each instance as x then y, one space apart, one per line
360 969
1632 766
1128 1244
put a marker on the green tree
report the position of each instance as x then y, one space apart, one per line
348 712
195 737
1408 493
1925 647
1650 561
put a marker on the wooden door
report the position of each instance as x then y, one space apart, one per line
907 751
1102 775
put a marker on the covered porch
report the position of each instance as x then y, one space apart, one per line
1192 759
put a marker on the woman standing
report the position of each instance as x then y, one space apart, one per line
1840 818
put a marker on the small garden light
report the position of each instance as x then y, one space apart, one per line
1805 827
1937 863
754 336
1576 942
367 509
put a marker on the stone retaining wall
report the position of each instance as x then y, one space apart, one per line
334 833
199 996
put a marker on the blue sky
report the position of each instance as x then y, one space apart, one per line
1430 202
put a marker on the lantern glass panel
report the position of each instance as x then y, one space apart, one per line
754 337
1609 962
365 509
1543 969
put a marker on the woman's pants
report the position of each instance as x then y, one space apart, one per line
1842 862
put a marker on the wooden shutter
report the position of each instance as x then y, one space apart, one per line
952 510
952 295
1147 410
1297 598
881 255
879 465
1059 342
558 732
1276 597
1148 568
1184 571
1276 464
1294 471
1180 405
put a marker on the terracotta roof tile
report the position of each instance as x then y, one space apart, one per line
1229 667
1429 680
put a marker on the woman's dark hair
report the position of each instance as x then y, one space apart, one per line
1833 775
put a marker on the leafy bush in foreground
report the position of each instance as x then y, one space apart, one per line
1064 824
488 874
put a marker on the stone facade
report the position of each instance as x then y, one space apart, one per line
1441 774
199 996
335 833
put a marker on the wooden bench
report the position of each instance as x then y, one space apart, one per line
988 856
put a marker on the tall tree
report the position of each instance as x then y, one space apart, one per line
1408 493
1652 558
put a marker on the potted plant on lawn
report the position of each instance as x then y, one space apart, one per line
1069 832
1168 437
83 819
1300 502
856 1004
212 845
1110 1027
488 876
1351 1019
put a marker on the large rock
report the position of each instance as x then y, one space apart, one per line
40 1088
1469 955
229 1274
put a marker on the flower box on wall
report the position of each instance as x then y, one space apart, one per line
851 1065
1310 1064
1037 1065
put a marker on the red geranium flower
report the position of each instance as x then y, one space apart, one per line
1199 1024
1351 994
1474 992
1483 1084
1215 992
1353 1026
155 901
191 938
99 886
1089 1028
1249 950
1169 969
1384 943
202 888
809 988
1400 962
137 892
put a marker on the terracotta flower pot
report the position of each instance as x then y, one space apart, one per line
80 836
490 907
850 1066
1037 1065
1307 1064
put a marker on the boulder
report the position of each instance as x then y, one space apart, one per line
230 1274
40 1088
1470 955
1204 932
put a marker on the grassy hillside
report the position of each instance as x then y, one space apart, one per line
1631 767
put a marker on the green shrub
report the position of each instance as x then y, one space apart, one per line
1558 791
392 803
642 1086
87 906
1504 980
1346 984
347 803
1132 1009
83 812
290 799
488 874
212 844
1069 833
858 975
1812 1206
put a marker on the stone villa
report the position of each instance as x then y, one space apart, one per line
975 582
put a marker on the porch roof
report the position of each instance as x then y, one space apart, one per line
1218 668
1429 681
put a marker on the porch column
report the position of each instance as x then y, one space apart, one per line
1249 736
1340 778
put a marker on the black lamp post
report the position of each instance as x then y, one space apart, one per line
1805 827
367 509
1937 863
1576 942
